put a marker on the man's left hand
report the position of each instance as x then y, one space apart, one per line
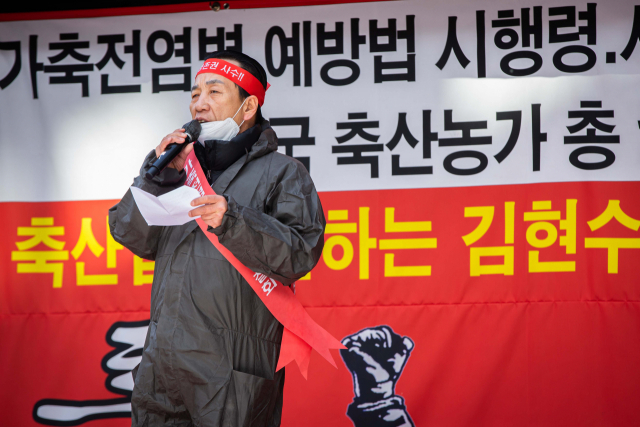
212 211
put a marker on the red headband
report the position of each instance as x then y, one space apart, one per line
237 75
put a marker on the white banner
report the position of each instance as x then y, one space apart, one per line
436 94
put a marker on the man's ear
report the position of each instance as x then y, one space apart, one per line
250 107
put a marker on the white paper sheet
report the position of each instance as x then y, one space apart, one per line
169 209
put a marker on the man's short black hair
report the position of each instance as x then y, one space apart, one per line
249 64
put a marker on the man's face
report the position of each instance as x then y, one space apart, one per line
214 97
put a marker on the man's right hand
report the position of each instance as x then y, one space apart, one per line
178 136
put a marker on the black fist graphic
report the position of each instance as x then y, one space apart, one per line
376 357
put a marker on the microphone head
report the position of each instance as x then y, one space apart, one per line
193 128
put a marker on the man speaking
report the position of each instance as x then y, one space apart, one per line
210 354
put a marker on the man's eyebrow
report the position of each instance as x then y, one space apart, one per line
210 82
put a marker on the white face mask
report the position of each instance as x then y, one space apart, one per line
223 130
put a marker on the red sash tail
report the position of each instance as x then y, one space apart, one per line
301 333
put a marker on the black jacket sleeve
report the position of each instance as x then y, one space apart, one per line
285 242
127 224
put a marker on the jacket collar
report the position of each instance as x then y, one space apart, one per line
215 156
266 143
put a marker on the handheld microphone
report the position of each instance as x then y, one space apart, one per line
192 129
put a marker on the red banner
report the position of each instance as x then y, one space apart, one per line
512 304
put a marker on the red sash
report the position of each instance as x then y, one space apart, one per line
301 333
